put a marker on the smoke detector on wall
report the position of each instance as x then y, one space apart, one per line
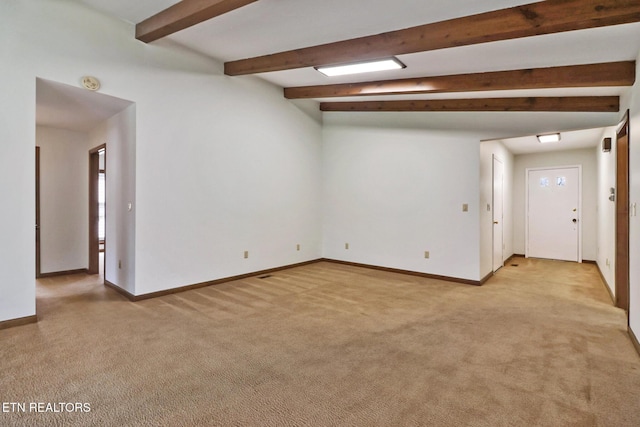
90 83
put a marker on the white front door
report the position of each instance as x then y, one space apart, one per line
553 213
498 227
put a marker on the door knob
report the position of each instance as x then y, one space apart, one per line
495 222
574 220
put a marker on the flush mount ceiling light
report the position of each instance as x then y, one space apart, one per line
361 67
552 137
90 83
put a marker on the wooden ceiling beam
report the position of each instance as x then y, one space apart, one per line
550 104
183 15
546 17
590 75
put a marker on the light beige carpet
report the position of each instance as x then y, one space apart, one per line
327 344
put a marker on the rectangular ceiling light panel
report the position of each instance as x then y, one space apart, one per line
545 139
361 67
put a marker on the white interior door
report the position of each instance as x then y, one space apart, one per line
498 215
553 213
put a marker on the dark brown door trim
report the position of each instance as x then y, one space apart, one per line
622 215
94 242
38 270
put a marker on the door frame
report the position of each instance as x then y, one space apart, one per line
622 215
526 206
38 250
94 235
493 218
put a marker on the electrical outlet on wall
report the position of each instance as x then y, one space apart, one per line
246 254
298 247
426 254
346 246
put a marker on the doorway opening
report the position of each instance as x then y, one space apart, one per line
72 234
97 208
622 215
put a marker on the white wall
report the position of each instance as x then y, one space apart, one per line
223 165
63 199
489 149
586 158
634 239
606 229
17 174
17 184
240 173
394 193
119 133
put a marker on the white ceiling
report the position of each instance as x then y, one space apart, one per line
68 107
573 140
269 26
